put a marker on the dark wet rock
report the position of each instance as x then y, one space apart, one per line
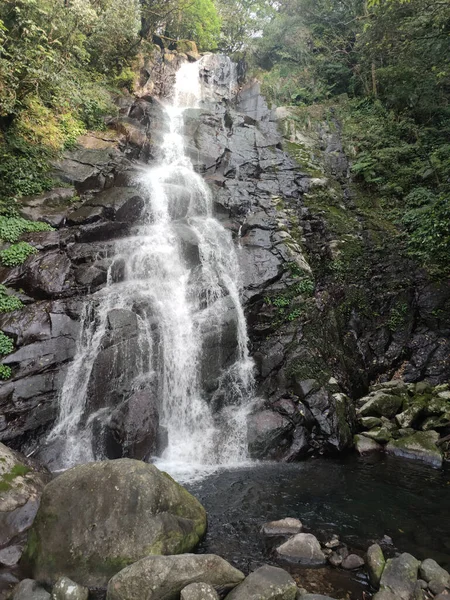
421 446
287 526
174 574
266 432
22 482
51 207
199 591
352 562
73 533
303 548
47 275
28 589
266 583
66 589
375 564
399 576
299 447
86 169
134 426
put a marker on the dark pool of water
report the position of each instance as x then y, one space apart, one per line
359 499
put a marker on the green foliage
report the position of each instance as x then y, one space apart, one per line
428 226
306 287
5 372
8 302
16 254
397 317
6 344
11 228
241 21
200 22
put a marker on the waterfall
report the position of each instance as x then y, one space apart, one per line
184 307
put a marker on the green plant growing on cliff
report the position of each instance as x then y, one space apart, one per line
6 347
6 344
16 254
5 372
305 286
11 228
8 302
397 317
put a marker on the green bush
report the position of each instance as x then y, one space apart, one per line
8 303
6 344
16 254
5 372
11 228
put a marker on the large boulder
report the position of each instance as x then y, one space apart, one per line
418 446
96 519
266 583
163 577
400 576
21 486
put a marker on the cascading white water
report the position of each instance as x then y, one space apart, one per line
189 303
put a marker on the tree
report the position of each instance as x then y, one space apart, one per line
199 21
242 21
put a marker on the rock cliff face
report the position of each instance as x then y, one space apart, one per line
314 341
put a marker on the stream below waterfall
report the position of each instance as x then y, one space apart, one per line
359 499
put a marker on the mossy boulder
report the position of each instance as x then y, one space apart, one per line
370 422
438 422
418 446
164 577
412 414
379 434
399 576
375 564
96 519
380 404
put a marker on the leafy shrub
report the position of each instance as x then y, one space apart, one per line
5 372
6 344
11 228
16 254
8 303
